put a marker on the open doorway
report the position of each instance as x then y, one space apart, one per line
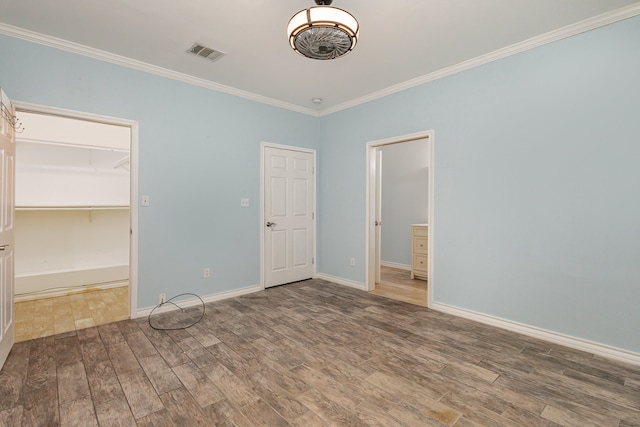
74 222
399 217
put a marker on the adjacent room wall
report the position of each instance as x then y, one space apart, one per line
536 212
405 177
70 248
56 175
199 153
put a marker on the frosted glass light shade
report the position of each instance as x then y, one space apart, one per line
323 32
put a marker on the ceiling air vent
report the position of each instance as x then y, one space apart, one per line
205 52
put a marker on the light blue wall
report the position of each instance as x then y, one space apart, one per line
536 177
537 184
405 177
199 154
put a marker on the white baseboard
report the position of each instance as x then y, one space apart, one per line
58 292
395 265
340 281
195 301
543 334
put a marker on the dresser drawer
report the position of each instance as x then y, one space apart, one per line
420 263
421 231
420 245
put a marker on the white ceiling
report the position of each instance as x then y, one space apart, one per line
400 40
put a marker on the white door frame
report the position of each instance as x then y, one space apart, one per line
133 201
371 197
263 145
378 213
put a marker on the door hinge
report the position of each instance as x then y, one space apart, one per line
313 215
313 260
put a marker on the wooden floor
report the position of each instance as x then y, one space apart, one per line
398 284
312 354
49 316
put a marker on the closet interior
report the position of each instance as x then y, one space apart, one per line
72 206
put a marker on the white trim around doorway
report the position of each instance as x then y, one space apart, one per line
133 202
371 206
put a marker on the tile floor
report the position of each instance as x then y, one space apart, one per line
398 285
49 316
312 354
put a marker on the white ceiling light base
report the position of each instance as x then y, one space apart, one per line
323 32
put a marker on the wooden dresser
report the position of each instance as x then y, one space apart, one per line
419 250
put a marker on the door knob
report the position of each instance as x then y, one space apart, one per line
270 224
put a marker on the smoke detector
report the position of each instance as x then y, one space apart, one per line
205 52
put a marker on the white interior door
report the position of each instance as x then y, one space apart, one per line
289 200
7 212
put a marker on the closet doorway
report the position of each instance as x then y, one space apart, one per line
74 230
400 217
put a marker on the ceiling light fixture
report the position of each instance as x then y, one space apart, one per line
323 31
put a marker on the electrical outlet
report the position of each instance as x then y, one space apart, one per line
244 202
207 272
352 263
162 299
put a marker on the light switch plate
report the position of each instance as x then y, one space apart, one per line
146 201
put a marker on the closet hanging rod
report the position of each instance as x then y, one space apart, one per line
67 144
72 208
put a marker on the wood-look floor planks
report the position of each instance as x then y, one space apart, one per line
397 284
311 354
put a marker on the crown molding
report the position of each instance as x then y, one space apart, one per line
101 55
550 37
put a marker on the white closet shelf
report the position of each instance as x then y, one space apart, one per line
71 208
